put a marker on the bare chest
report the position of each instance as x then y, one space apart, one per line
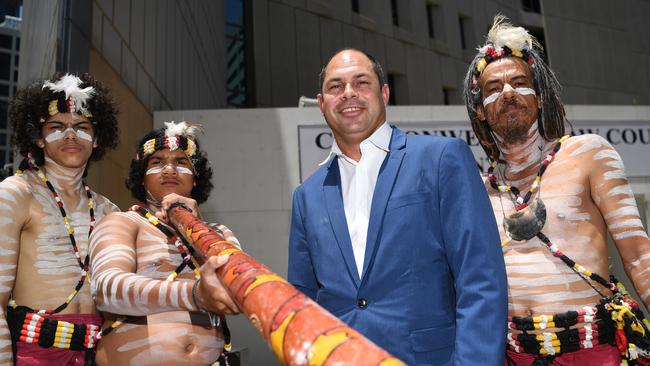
51 242
538 281
158 256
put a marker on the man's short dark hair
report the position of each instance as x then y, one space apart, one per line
376 67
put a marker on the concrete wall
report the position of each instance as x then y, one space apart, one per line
153 55
170 53
598 49
256 159
38 33
134 119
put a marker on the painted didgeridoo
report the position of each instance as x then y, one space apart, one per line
297 329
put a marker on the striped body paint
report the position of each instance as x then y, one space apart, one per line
586 196
36 258
130 262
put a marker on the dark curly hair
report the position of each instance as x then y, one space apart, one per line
30 105
203 179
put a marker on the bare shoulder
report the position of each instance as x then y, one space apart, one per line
105 205
588 150
119 221
16 197
15 186
586 145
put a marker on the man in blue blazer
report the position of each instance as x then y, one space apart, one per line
394 234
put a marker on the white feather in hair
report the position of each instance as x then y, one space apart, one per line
503 33
181 129
69 84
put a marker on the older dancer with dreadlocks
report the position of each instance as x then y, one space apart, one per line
144 272
555 198
46 215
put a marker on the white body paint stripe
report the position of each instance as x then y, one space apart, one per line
630 234
626 223
58 135
507 87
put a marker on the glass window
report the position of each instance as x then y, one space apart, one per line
235 54
531 6
4 90
394 13
432 33
5 41
392 88
355 6
5 66
450 96
3 118
463 31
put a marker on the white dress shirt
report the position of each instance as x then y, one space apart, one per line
358 181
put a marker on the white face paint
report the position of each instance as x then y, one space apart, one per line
507 87
179 169
58 135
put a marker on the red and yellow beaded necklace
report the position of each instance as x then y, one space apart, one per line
522 202
171 235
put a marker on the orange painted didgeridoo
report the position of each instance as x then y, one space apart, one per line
298 330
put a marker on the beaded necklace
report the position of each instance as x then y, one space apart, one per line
29 164
178 242
522 203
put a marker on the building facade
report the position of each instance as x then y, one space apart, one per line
9 60
597 48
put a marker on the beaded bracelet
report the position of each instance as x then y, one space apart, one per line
215 320
196 302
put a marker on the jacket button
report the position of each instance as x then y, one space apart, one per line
362 303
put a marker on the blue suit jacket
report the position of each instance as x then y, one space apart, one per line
433 289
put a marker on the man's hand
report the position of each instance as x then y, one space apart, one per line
172 198
211 293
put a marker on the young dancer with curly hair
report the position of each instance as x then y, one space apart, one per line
47 213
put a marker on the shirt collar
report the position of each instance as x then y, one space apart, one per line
380 138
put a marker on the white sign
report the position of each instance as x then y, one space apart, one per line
631 139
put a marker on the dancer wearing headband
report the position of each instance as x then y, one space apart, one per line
46 215
166 307
556 198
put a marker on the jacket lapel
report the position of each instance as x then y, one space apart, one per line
383 188
336 212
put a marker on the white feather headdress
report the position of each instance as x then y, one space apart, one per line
69 84
503 33
184 129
